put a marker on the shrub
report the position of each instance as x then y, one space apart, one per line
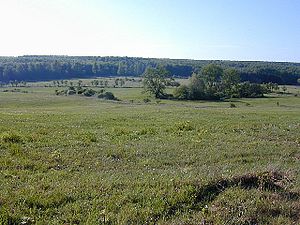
107 95
80 90
182 92
71 92
215 84
89 92
232 105
60 92
250 90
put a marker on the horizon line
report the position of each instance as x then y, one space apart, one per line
192 59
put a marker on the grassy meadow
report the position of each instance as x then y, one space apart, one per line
80 160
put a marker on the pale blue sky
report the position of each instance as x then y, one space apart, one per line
212 29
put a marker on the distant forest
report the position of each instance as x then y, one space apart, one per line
43 68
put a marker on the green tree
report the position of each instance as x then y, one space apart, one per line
196 87
230 79
250 90
212 73
182 92
155 80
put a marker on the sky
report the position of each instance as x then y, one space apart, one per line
265 30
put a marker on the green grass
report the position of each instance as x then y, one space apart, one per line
79 160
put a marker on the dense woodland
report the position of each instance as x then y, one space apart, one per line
40 68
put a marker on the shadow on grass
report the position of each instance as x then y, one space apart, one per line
266 181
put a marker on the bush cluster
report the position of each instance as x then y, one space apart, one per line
87 92
214 83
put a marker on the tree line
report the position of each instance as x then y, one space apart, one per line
212 82
43 68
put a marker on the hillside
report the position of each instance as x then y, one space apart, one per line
41 68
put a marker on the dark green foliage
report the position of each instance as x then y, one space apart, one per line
89 92
59 92
182 92
196 87
79 90
271 87
232 105
250 90
71 92
213 83
211 74
14 70
230 79
107 95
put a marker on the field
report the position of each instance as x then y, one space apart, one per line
80 160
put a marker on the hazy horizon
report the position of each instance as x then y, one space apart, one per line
228 30
15 56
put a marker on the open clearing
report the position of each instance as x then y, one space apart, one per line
79 160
